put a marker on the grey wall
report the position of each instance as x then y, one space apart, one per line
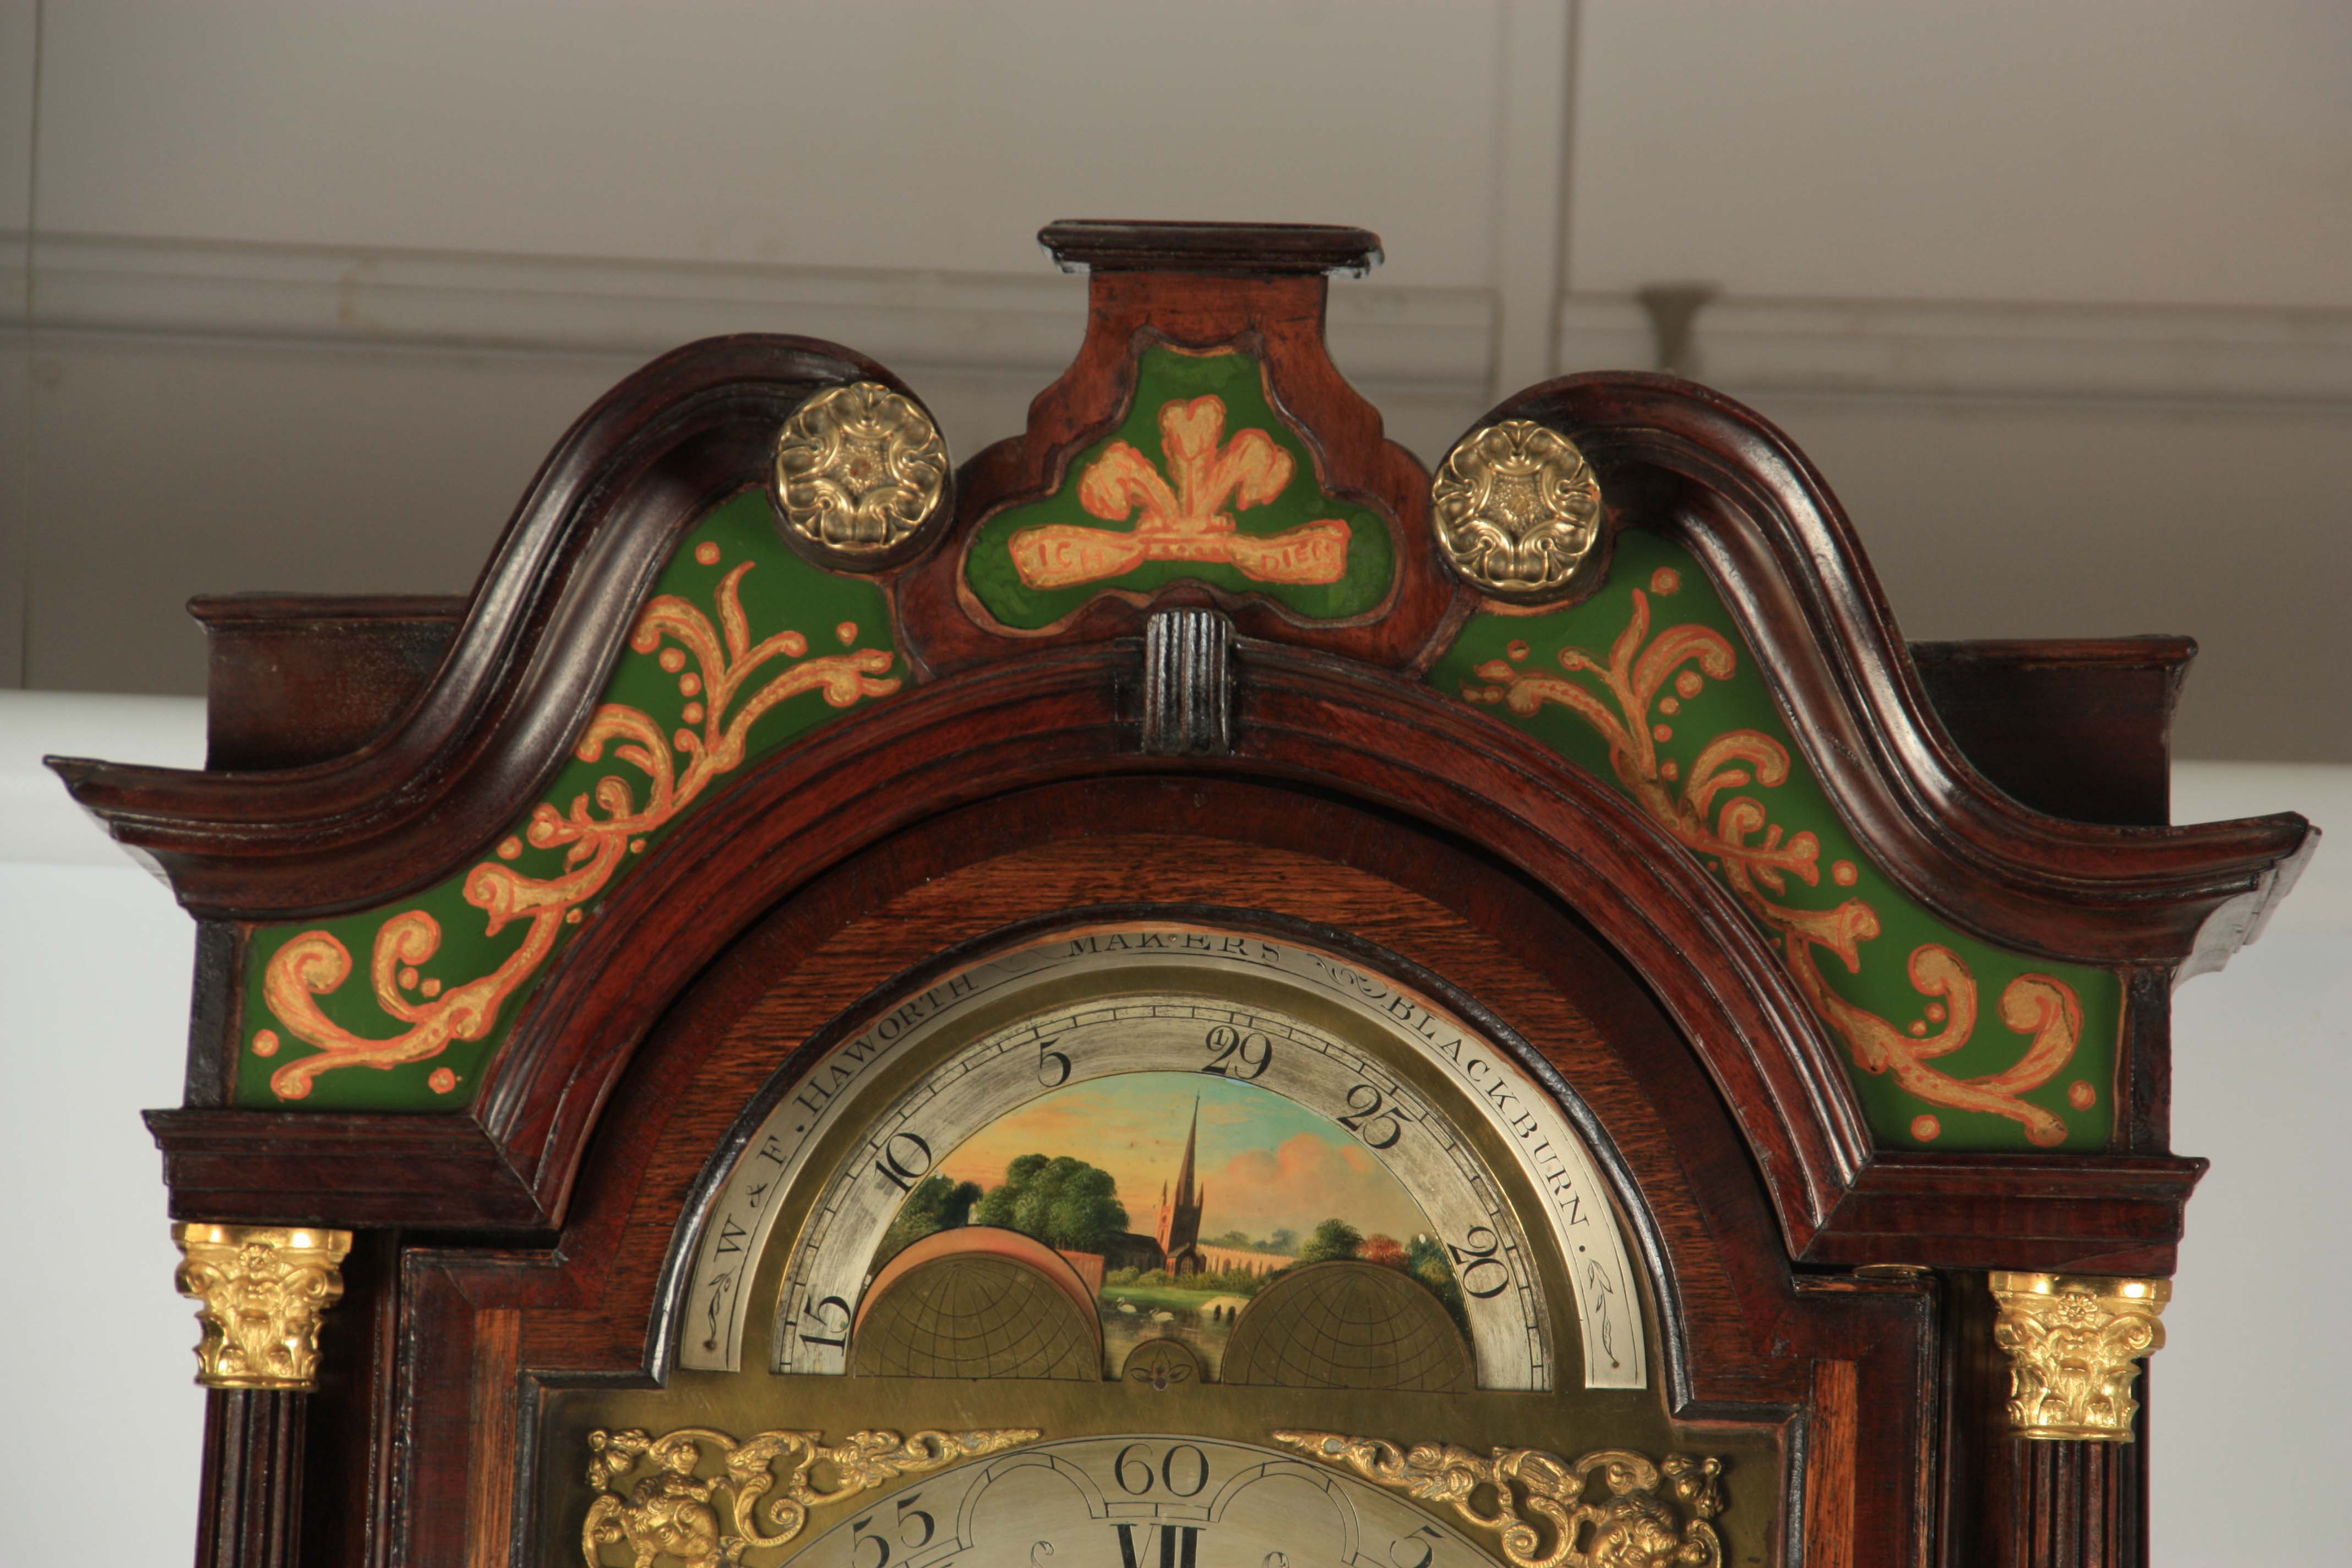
2060 298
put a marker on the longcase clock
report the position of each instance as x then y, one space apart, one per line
1190 992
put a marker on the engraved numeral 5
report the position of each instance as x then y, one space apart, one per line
907 1514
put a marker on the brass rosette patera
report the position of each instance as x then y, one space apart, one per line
2075 1343
262 1290
1518 512
860 469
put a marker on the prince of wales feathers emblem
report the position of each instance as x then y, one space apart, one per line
1187 521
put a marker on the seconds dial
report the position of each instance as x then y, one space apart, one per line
1145 1500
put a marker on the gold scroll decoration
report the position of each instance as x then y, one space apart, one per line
1517 511
598 838
859 468
2075 1343
1646 1515
672 1514
261 1291
1624 698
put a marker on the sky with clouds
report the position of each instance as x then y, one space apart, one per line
1269 1162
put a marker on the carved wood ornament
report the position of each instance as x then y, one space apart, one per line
1570 819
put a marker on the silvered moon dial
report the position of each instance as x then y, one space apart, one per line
1183 1132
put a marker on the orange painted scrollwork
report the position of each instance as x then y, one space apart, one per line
597 837
1732 833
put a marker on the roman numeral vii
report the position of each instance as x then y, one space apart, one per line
1172 1554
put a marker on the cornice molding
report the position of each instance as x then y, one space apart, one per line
548 617
1726 483
498 718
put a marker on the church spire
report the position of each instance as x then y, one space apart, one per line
1180 1210
1184 1194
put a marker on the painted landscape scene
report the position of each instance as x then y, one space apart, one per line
1177 1198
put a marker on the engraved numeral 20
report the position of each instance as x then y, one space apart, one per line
1476 1252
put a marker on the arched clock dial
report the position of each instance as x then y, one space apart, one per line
1503 1189
1468 1216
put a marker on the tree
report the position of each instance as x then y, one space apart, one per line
1426 1251
1384 1250
1231 1238
1285 1241
935 1204
1062 1202
1425 1259
1334 1240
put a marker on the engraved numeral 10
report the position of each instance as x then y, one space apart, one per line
905 1158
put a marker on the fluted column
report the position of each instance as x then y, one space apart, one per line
262 1292
2073 1344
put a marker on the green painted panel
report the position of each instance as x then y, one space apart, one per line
1951 1041
1203 479
741 647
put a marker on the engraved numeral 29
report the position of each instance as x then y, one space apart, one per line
1238 1055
